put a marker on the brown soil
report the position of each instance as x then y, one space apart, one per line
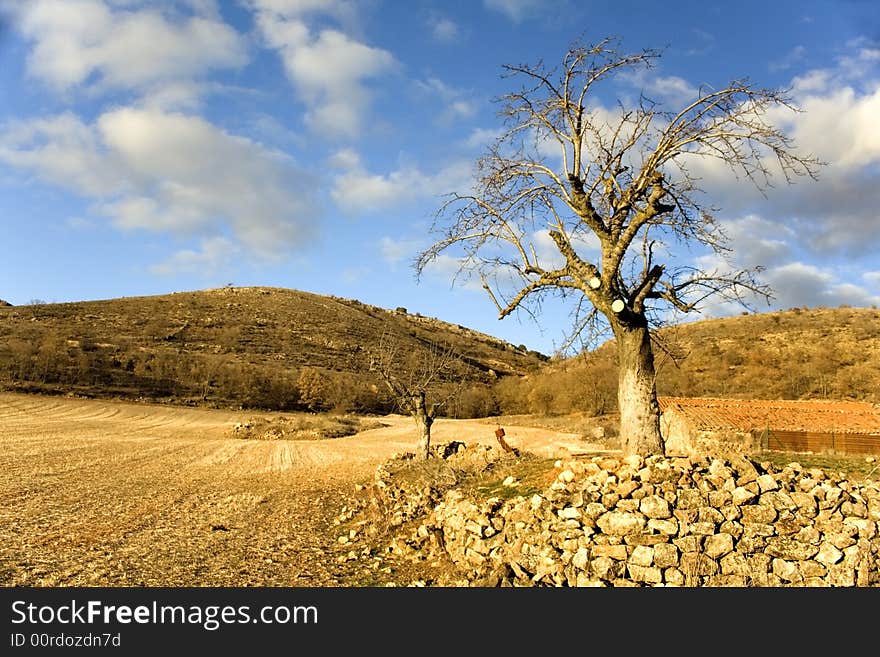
103 493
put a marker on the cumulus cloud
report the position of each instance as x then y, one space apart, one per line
329 70
214 254
359 190
132 45
667 89
800 284
443 29
173 173
395 250
838 124
758 242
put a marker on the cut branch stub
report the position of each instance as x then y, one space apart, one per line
618 305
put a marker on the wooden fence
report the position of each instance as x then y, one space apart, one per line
819 442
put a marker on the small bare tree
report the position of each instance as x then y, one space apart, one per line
568 177
412 376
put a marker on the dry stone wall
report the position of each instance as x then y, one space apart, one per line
662 521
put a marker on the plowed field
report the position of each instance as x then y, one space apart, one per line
102 493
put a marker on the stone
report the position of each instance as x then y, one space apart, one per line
665 555
867 529
787 571
585 581
628 505
626 488
811 569
731 527
735 564
689 543
607 568
702 528
806 504
689 498
718 545
779 500
569 512
642 555
711 515
697 564
618 523
841 575
665 527
645 574
655 506
594 509
841 540
719 498
786 548
767 482
741 496
758 514
645 539
581 559
673 577
616 552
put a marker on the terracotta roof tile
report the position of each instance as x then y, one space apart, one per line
783 415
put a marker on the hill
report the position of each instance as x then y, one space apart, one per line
254 347
822 353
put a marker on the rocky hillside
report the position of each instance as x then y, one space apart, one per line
267 347
822 353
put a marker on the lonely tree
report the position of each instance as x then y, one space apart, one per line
415 380
578 199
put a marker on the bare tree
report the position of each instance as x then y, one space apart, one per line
412 376
580 177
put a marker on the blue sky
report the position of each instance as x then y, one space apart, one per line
148 147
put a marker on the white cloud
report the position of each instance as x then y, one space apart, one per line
670 89
346 159
838 125
329 70
170 172
395 250
107 45
61 150
756 241
359 190
457 103
443 29
480 138
800 284
515 10
215 253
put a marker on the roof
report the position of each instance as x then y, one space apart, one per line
820 416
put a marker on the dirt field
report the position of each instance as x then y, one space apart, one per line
98 493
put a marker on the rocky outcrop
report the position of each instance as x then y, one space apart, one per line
660 521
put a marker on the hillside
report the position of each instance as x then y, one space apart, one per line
817 353
260 347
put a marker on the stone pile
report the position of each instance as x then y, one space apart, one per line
660 521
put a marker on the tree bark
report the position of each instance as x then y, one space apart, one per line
637 392
423 422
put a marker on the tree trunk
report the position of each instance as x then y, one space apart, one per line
423 422
636 392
